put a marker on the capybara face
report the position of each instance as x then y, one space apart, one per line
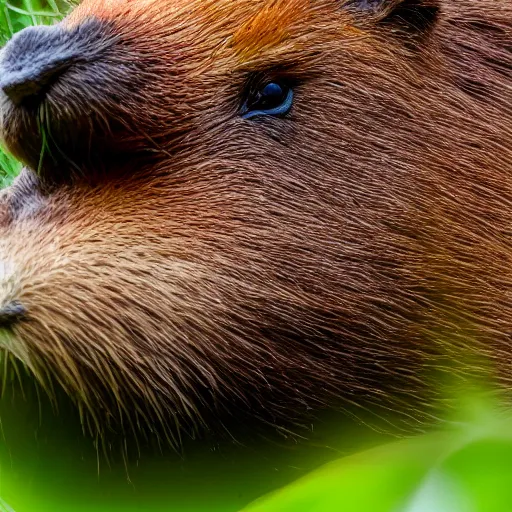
258 209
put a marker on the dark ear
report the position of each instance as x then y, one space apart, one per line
414 17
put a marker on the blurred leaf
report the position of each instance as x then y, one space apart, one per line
467 470
4 507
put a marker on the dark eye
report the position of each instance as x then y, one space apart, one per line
271 100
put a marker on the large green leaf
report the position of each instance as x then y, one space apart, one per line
467 470
47 465
4 507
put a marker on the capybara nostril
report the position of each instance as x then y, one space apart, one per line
33 60
30 84
11 313
54 67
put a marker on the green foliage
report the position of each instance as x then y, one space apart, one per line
466 469
463 467
18 14
4 507
14 16
9 168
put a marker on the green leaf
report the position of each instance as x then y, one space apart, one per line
4 507
468 470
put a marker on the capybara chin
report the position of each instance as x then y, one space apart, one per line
259 209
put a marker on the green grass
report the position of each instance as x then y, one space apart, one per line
15 15
9 168
18 14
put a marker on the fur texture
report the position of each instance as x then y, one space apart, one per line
179 264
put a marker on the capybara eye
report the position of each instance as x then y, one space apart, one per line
271 100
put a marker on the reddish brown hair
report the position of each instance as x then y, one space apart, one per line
176 260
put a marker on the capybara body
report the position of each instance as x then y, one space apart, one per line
259 209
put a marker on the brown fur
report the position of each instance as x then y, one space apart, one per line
187 263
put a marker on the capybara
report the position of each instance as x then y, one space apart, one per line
253 210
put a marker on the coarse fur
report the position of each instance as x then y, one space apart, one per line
180 265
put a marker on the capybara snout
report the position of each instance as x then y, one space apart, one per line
258 209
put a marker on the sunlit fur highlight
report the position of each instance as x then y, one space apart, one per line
270 26
353 255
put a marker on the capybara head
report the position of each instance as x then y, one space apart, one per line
259 209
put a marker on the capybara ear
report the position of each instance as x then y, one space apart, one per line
410 16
